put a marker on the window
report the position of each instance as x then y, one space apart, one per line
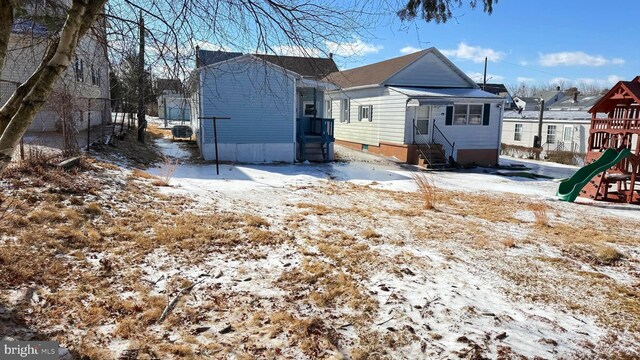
475 114
551 134
344 111
365 113
309 108
467 114
79 67
568 133
517 134
327 109
94 76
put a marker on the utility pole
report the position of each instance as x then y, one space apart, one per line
538 141
142 122
484 82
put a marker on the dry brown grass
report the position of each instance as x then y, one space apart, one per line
142 174
427 189
167 169
540 214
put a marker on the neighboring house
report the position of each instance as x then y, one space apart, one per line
274 105
500 90
415 107
82 90
173 103
532 103
576 102
561 130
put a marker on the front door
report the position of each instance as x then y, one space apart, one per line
567 138
422 125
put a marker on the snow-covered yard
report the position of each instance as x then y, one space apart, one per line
337 260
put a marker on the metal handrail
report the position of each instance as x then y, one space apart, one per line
453 145
430 161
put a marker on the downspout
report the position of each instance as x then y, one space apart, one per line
500 132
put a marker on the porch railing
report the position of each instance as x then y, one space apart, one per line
314 130
447 146
613 126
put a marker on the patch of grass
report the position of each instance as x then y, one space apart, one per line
370 234
540 214
143 174
427 189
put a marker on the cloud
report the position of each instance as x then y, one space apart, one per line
523 63
606 82
408 50
568 58
474 53
478 77
524 79
355 48
293 50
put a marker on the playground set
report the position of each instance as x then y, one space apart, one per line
613 156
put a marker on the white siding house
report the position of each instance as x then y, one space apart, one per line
86 79
561 130
405 107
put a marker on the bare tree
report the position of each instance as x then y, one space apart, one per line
173 29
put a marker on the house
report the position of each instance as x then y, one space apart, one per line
500 90
82 93
532 103
173 104
274 105
418 108
561 130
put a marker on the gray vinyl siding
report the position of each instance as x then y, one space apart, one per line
428 71
388 122
258 98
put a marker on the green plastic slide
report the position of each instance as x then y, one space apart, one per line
570 189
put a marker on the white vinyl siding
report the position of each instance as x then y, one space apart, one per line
388 116
428 71
471 137
344 111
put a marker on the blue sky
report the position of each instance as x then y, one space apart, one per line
539 42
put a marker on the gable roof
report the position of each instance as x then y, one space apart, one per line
622 92
208 57
549 95
581 103
307 67
378 73
249 58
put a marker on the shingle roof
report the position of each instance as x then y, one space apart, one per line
374 73
308 67
208 57
494 88
581 103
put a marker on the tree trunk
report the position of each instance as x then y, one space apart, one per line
23 107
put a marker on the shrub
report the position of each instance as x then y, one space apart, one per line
520 151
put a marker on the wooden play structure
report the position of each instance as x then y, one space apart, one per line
619 130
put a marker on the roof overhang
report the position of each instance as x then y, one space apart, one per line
317 84
428 101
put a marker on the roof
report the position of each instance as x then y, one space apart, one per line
548 115
308 67
208 57
414 92
373 74
624 92
527 99
494 88
174 85
548 95
581 103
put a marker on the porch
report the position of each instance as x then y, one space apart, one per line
314 137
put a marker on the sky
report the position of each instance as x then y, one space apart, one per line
542 42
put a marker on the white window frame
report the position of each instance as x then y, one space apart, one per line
467 115
345 111
564 133
551 134
365 113
517 132
328 109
